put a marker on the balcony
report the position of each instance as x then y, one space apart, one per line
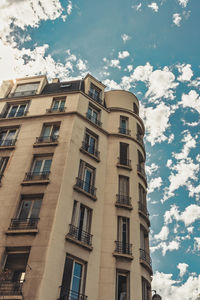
80 235
95 97
21 94
36 178
11 288
93 119
85 187
46 140
145 260
28 224
141 172
123 201
90 150
55 110
143 210
7 142
124 163
140 139
123 250
124 131
72 295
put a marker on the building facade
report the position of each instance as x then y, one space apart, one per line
73 221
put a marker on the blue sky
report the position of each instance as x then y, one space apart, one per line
152 49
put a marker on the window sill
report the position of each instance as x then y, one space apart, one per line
77 242
21 231
145 217
11 297
78 189
7 147
90 155
122 205
146 266
34 182
122 256
129 168
37 145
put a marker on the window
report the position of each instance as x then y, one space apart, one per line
40 168
142 199
15 110
135 109
58 105
140 166
73 281
8 136
123 190
25 89
90 143
81 223
146 289
123 127
3 163
123 159
49 133
95 93
139 134
122 244
94 115
144 246
86 178
122 290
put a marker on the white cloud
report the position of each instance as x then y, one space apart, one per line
171 289
197 243
69 7
130 68
190 229
169 163
151 169
163 234
189 144
111 84
154 183
177 19
137 7
171 246
153 6
182 268
123 54
171 138
142 73
183 3
186 72
115 63
125 37
191 100
81 65
188 216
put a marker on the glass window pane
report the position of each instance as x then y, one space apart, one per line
55 104
25 209
47 165
37 166
21 110
36 208
46 131
12 111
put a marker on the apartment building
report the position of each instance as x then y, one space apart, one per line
73 221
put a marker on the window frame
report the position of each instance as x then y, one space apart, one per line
3 164
91 135
126 274
31 198
60 107
5 138
90 116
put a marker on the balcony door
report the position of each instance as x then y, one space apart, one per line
123 233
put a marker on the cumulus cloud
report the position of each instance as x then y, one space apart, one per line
153 6
115 63
189 144
171 138
123 54
188 216
171 246
171 289
177 19
197 243
151 169
125 37
111 84
163 234
183 3
137 7
186 72
191 100
129 68
154 183
182 268
69 7
81 65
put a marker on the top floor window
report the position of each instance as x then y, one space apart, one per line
58 105
95 93
15 110
123 126
25 89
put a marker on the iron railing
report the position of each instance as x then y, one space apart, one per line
47 139
24 93
8 287
21 224
72 295
37 175
80 235
84 185
95 97
123 248
141 169
124 131
140 138
143 208
7 142
93 119
124 161
90 149
123 199
58 109
145 256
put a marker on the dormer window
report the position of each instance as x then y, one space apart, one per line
95 93
25 89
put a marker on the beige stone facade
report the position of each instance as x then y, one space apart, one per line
73 220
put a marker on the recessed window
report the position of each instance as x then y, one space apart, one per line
95 93
40 169
8 136
135 109
123 126
123 191
142 199
90 143
123 244
58 105
122 286
49 133
93 115
124 153
86 178
15 110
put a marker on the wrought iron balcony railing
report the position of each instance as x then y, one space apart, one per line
80 235
10 288
37 176
93 119
18 224
72 295
24 93
141 169
124 131
123 248
87 187
95 97
124 161
90 149
145 257
56 109
123 199
143 208
47 139
7 142
140 139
